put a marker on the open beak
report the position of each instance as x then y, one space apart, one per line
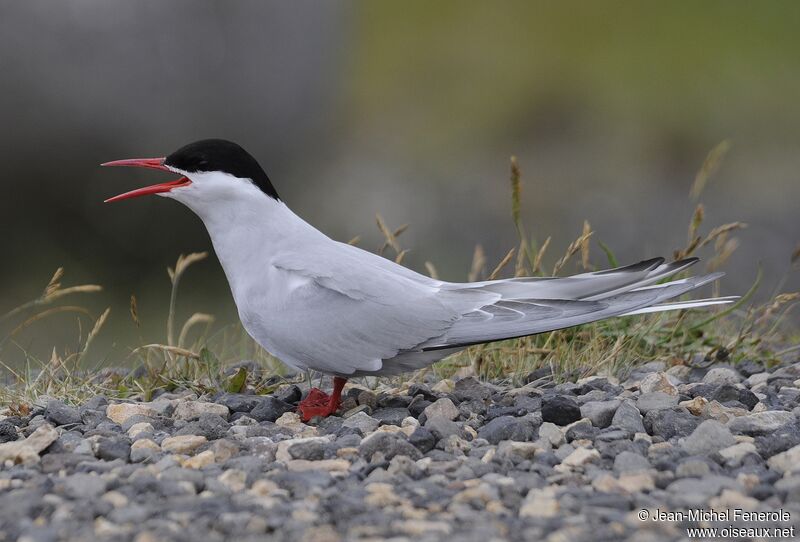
150 163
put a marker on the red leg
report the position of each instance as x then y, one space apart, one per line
319 403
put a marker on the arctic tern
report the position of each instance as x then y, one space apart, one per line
319 304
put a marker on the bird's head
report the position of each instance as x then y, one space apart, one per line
212 171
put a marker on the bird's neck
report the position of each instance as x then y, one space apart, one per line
247 233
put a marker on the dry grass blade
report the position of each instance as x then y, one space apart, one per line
478 264
54 283
778 301
184 261
722 231
697 219
519 266
167 348
516 193
83 289
55 361
399 231
134 311
193 320
175 275
389 237
710 165
52 292
431 270
44 314
573 248
724 249
402 254
98 325
502 264
587 230
537 261
355 240
689 250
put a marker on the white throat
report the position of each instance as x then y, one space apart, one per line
246 226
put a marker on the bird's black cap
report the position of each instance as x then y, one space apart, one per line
224 156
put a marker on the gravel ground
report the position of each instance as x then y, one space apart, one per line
464 460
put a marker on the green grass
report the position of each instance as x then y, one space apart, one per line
731 333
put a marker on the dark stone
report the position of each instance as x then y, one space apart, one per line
547 458
109 449
387 400
366 397
300 484
726 393
442 427
628 417
601 384
422 389
289 394
17 421
58 413
239 402
581 431
778 441
310 450
495 411
177 474
422 439
526 404
211 426
748 368
610 434
538 374
608 500
105 427
508 428
93 418
610 449
560 410
388 444
469 389
98 402
270 409
391 416
417 405
55 462
8 432
467 408
790 373
762 492
702 390
671 422
748 398
330 425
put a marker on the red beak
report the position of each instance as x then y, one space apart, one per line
151 163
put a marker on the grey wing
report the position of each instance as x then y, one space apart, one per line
365 314
530 307
356 311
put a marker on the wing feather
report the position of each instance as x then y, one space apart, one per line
364 314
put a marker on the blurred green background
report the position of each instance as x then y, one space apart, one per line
410 109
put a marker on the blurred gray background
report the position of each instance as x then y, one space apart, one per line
410 109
